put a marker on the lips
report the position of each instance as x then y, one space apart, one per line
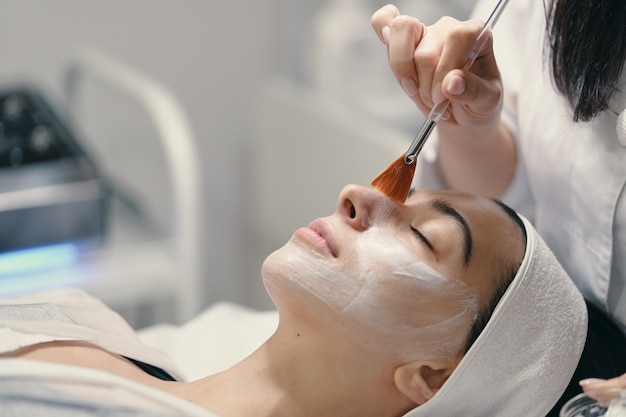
319 234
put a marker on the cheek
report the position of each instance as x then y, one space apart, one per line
297 272
404 304
297 275
414 311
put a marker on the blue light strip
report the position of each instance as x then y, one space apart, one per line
32 260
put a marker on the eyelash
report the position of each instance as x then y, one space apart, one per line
421 237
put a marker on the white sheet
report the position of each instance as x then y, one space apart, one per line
41 389
214 340
72 314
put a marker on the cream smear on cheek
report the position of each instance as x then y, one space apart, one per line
384 296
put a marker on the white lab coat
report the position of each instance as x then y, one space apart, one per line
572 175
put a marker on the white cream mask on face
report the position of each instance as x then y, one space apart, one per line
381 293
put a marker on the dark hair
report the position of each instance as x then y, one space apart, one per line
602 357
587 46
506 274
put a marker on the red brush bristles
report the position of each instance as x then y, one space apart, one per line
395 180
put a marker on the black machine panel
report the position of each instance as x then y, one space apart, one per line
50 189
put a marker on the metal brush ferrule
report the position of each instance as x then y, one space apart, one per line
419 141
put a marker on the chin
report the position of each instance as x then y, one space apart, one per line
277 273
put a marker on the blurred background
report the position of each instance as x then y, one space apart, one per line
234 70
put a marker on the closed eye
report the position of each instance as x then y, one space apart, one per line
421 237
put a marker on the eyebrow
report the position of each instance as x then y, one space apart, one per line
444 208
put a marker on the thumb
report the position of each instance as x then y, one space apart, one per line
480 98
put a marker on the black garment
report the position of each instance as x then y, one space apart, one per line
152 370
604 355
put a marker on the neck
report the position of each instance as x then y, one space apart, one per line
299 374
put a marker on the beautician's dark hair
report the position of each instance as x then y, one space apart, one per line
506 276
587 46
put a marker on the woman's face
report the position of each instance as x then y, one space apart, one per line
405 278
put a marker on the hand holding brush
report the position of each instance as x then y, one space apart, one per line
395 180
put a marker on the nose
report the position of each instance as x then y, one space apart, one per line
357 205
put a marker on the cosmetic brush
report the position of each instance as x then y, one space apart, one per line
395 180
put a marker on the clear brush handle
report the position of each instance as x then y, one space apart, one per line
439 109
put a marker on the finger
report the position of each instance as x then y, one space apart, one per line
426 58
381 20
593 384
405 34
459 43
468 88
475 100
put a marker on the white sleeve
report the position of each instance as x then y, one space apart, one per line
518 195
426 173
509 48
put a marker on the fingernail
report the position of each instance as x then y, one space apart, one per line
456 86
437 94
590 381
385 34
409 86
